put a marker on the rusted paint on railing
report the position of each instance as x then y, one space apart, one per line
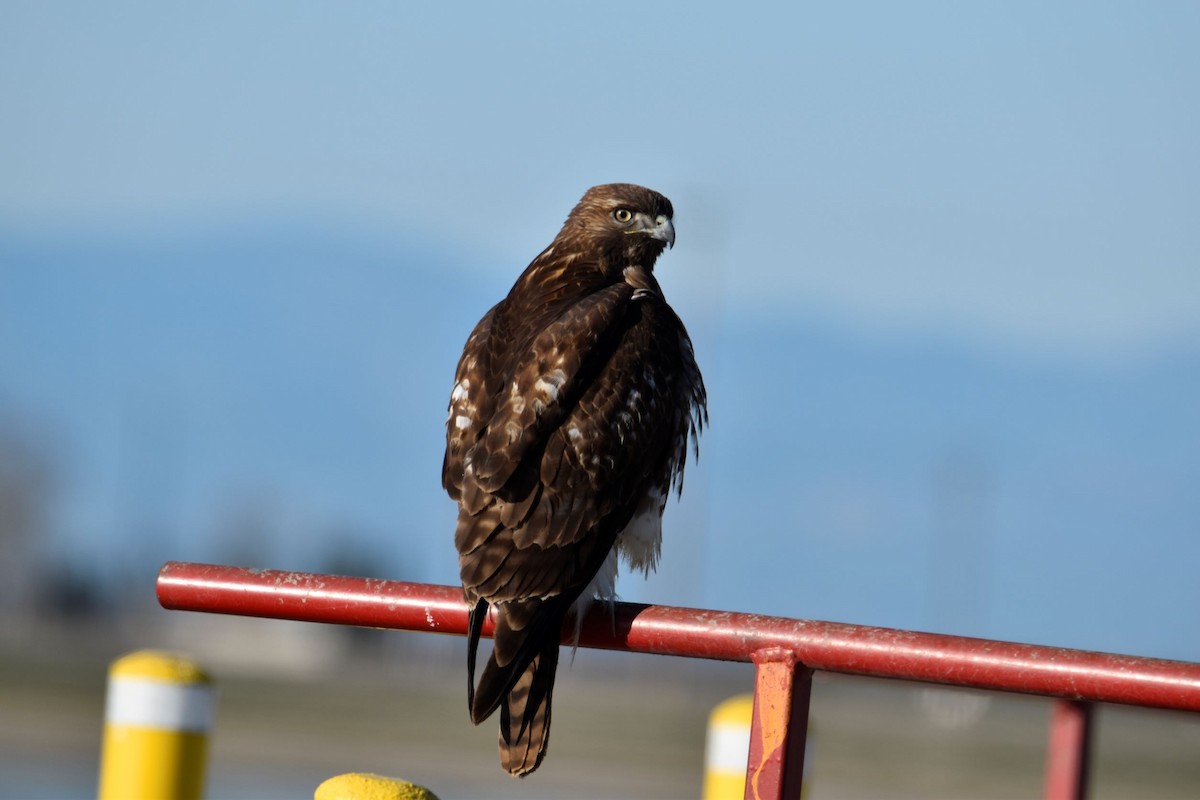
779 727
833 647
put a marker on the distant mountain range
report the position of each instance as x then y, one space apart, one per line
277 394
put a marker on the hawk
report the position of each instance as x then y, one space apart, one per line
572 409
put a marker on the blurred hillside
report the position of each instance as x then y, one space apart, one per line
274 394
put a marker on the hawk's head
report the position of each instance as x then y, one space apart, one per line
630 224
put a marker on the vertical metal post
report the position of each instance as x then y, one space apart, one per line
1068 751
782 689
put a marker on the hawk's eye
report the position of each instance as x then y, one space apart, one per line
622 215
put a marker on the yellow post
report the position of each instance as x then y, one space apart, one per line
365 786
157 716
728 748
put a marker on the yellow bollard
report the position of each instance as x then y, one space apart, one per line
365 786
157 716
728 748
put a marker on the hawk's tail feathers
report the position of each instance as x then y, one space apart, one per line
518 677
524 630
474 628
525 714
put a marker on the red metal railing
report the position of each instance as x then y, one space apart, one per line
784 651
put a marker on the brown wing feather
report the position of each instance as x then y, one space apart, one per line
543 385
470 400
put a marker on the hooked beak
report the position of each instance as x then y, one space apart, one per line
659 228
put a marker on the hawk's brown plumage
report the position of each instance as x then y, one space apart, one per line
569 422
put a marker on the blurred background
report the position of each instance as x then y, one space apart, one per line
940 262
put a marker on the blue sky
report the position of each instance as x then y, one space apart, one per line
1011 171
1004 193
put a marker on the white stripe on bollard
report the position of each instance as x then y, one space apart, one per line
727 748
149 703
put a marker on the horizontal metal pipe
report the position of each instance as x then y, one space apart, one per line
697 633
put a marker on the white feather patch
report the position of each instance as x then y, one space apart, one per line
550 384
641 541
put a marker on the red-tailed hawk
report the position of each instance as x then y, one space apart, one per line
572 408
